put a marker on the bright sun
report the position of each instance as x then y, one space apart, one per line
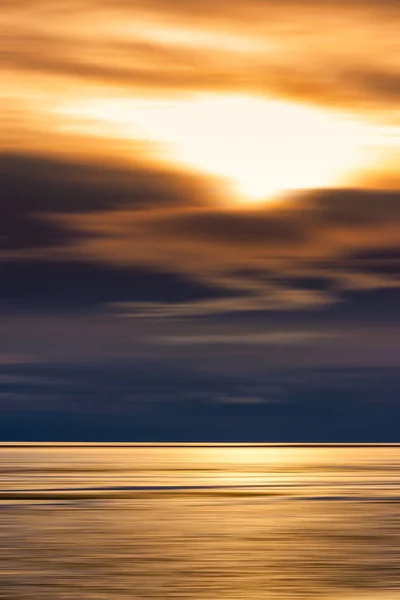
262 147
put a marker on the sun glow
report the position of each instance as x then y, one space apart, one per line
261 147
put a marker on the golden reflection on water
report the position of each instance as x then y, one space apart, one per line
199 522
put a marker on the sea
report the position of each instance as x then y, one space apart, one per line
199 521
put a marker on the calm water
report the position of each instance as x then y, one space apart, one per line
199 522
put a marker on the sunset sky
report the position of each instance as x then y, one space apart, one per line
200 219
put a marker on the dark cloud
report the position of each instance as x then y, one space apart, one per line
296 255
353 207
349 308
305 219
290 301
33 188
236 228
376 254
43 184
24 232
378 305
70 285
381 261
191 250
315 283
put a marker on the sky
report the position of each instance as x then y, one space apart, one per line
199 220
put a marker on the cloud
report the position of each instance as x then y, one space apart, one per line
16 358
292 48
381 262
243 64
66 185
353 299
379 83
23 232
32 285
263 339
160 66
375 305
296 222
147 242
319 225
236 228
299 254
262 299
34 187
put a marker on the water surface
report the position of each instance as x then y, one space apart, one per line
201 522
